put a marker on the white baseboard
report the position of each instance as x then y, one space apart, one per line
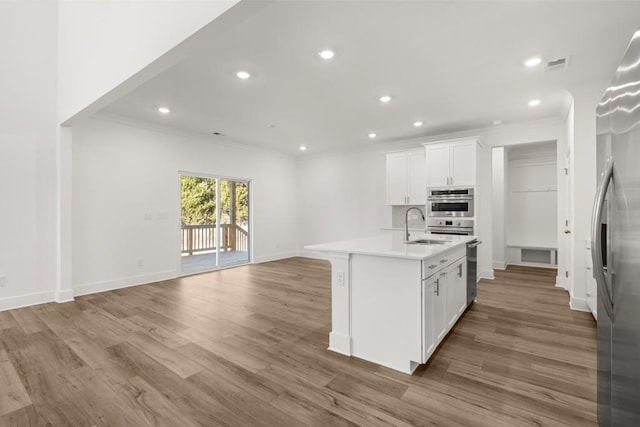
500 265
125 282
486 274
313 254
64 296
273 257
561 282
340 343
579 304
26 300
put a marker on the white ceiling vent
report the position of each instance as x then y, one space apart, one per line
557 64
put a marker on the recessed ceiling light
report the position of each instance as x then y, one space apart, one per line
534 103
417 124
303 147
532 62
243 75
372 135
385 98
497 122
164 110
326 54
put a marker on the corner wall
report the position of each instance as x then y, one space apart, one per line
28 132
104 43
122 171
499 168
582 153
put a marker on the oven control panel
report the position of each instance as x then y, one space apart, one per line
440 222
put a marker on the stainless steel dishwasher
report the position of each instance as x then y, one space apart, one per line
472 270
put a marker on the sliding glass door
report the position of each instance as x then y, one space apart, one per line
234 222
215 223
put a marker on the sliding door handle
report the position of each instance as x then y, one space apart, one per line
596 239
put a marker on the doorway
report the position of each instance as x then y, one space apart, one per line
215 222
528 204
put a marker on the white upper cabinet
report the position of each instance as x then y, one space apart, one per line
438 165
417 177
406 179
452 164
397 179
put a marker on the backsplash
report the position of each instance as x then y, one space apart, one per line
415 220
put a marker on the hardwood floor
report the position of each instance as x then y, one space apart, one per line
247 346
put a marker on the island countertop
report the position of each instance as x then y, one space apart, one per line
393 245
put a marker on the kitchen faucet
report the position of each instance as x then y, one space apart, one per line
406 221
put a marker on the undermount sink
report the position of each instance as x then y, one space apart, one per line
426 242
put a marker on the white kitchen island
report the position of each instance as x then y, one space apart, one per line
392 303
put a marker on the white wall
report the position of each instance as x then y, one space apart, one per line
123 170
341 196
104 43
498 164
564 203
350 186
582 154
28 32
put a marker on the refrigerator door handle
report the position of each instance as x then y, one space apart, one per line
596 239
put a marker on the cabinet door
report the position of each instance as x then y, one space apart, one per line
463 164
440 307
460 275
417 177
437 165
397 179
452 294
428 305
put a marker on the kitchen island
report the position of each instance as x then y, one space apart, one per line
393 302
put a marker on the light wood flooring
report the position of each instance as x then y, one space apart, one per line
248 346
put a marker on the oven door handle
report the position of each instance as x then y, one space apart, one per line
449 199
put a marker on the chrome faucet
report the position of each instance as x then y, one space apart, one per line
406 221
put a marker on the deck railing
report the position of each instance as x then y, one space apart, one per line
202 237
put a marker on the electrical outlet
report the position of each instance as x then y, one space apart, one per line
140 262
340 278
148 216
3 281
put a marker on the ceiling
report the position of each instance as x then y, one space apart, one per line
453 65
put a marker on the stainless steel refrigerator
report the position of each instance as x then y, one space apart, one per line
616 244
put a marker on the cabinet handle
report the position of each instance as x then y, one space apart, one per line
451 181
460 270
443 274
408 199
443 260
432 266
437 291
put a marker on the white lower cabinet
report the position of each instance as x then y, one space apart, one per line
440 308
444 296
428 306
